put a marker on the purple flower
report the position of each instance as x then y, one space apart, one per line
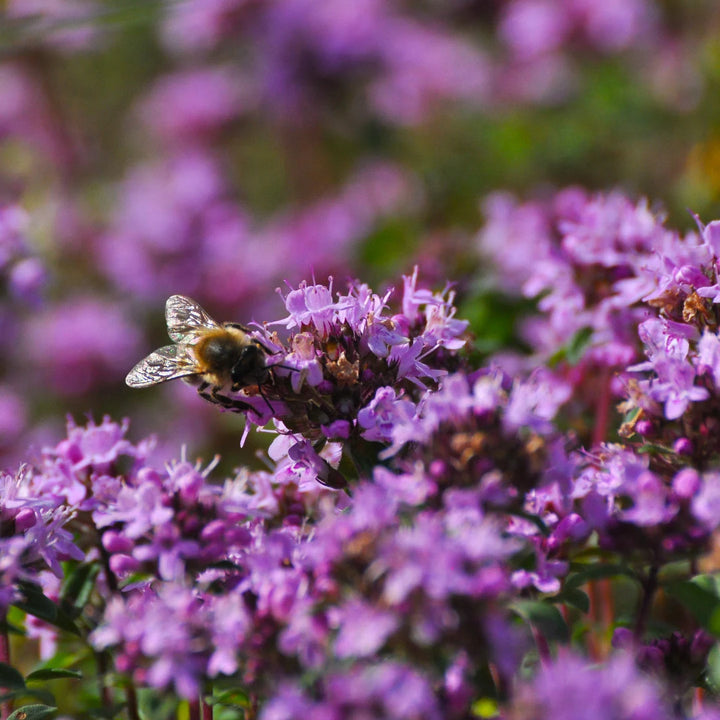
706 502
363 629
535 402
313 306
301 364
24 274
399 691
27 280
80 343
197 25
665 338
140 507
651 505
531 28
411 67
13 417
62 24
425 68
97 446
162 638
169 550
571 688
34 538
193 105
386 690
230 624
674 386
594 259
379 417
708 357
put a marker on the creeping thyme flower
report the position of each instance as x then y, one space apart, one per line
485 433
32 536
386 690
342 350
594 258
173 638
79 470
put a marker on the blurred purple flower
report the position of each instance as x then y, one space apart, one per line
363 628
385 690
177 230
81 343
194 105
13 416
571 688
198 25
65 25
412 67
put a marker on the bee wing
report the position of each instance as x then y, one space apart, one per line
166 363
186 320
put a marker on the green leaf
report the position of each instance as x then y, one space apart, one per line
32 712
712 673
39 606
631 416
595 572
654 449
577 346
711 583
544 617
702 602
111 712
574 350
232 697
572 596
40 694
10 678
77 588
53 674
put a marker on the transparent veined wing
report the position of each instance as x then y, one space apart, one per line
186 320
166 363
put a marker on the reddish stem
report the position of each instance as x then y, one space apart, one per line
207 711
602 408
542 646
6 707
194 710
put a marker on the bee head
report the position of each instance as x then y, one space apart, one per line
250 368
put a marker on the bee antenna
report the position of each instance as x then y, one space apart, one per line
284 367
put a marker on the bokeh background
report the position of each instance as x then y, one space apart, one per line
226 148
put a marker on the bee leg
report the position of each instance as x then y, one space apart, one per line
227 403
264 397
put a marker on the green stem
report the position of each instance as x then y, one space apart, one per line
650 586
132 704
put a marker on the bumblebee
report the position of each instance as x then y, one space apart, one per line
205 353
